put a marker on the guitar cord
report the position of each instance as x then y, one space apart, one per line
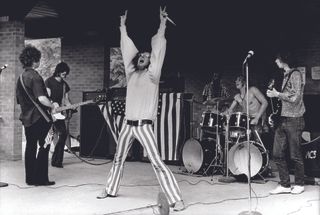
84 160
74 153
179 181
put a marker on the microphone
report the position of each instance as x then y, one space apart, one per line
3 67
170 20
250 54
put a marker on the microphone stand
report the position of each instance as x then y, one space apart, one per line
250 212
2 184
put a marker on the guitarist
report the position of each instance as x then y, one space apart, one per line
33 99
289 131
58 89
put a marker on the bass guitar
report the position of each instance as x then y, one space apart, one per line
276 107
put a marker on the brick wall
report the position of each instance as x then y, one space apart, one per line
11 44
86 59
308 55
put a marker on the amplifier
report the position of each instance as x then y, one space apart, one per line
91 95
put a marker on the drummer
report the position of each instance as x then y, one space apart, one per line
257 103
214 89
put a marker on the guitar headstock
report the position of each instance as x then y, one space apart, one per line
271 84
100 98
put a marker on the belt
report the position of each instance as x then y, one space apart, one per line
139 122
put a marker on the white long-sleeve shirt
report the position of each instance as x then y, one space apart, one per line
143 86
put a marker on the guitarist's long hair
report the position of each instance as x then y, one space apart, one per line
286 57
61 68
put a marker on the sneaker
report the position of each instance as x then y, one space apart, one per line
179 206
104 194
297 189
280 189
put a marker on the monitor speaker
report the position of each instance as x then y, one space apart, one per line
95 137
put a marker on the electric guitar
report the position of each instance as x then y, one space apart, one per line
276 107
59 116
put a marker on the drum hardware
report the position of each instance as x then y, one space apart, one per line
238 158
238 153
217 162
226 178
216 100
196 154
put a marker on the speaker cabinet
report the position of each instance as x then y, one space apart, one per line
95 138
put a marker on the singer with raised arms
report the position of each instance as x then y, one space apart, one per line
143 71
3 67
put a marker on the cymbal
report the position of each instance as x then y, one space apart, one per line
217 100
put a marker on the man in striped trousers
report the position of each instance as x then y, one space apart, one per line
143 71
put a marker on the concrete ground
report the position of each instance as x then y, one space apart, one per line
78 183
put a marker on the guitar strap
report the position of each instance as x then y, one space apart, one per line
289 76
63 93
35 104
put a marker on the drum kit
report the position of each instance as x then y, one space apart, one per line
223 147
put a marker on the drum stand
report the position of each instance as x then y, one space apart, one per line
257 136
226 178
216 163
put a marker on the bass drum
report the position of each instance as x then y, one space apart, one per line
197 156
238 158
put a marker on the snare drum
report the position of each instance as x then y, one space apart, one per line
211 120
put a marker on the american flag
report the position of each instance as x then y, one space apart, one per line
167 127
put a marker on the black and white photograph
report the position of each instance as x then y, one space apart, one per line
159 107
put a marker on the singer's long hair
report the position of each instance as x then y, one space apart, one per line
136 58
29 55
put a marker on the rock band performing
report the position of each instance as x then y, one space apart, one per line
155 114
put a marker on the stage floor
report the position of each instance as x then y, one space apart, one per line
78 183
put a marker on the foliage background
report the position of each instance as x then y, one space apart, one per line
50 54
117 73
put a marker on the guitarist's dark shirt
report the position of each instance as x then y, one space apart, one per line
56 88
35 86
292 95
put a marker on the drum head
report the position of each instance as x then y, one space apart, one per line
192 155
238 159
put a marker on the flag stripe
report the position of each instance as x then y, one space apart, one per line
162 127
177 128
167 126
170 127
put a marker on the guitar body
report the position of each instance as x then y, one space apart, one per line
59 116
276 106
274 118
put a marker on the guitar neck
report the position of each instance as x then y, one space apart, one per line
59 109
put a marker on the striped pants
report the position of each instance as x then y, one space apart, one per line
144 134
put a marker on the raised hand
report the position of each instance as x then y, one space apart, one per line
123 18
163 14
